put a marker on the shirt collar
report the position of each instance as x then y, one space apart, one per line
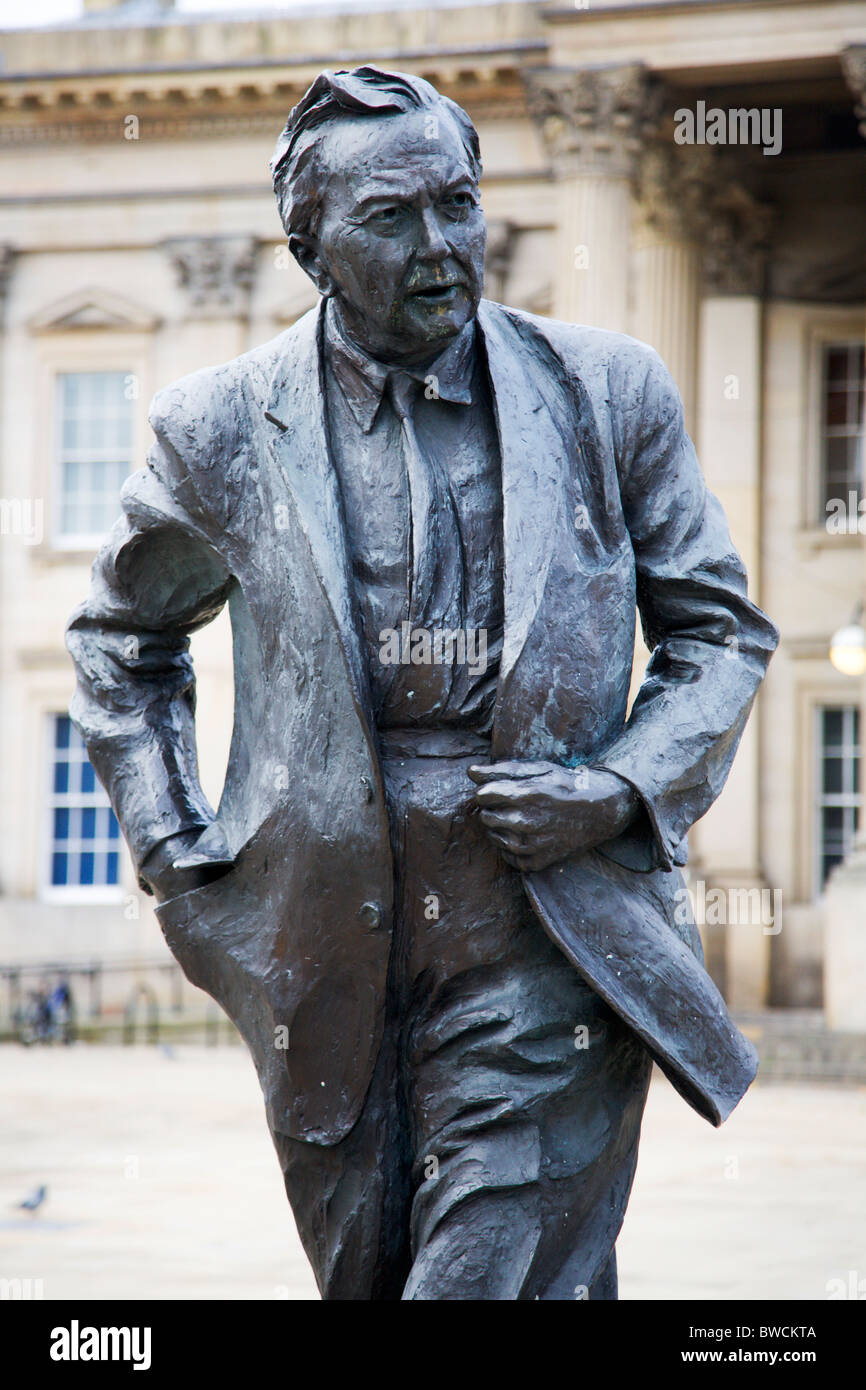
362 378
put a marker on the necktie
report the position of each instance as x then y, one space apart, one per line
435 577
435 559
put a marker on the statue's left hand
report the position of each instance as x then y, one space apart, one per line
537 813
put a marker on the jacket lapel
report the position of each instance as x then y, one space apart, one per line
534 462
296 414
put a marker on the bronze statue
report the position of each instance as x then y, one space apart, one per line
440 895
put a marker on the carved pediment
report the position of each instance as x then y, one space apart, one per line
93 309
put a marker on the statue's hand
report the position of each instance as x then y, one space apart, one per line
537 813
161 870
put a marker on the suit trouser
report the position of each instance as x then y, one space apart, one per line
496 1149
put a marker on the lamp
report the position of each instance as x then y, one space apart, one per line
848 647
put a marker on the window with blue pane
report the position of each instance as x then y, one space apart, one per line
85 836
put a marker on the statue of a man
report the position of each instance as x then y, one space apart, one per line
440 897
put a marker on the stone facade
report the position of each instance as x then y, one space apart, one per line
140 234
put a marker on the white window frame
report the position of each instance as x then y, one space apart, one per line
819 798
92 893
80 540
823 330
92 351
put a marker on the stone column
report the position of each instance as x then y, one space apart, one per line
845 897
592 121
215 277
673 189
734 237
501 236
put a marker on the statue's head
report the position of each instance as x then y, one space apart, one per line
376 176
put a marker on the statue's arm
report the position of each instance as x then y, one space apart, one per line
710 645
154 582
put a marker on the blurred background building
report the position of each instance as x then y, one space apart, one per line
687 171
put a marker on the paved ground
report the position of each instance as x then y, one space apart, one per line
163 1184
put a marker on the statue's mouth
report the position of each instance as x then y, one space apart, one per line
438 294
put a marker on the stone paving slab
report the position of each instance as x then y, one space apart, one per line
163 1184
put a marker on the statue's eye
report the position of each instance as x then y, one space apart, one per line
458 204
387 218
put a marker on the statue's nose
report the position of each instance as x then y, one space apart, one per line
433 245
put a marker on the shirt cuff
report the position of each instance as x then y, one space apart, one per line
643 845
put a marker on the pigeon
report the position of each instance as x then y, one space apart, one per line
35 1200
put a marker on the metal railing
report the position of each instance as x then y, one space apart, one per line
61 1001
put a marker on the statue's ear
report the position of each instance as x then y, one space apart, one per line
307 253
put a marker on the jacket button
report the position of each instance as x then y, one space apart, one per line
367 789
370 915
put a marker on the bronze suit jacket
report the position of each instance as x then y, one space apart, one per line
605 509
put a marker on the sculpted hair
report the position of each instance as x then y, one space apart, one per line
295 168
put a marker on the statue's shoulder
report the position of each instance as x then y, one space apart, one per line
207 424
612 367
205 416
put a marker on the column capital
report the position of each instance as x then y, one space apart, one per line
691 194
217 273
594 119
735 241
674 190
854 69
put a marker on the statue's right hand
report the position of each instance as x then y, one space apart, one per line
166 881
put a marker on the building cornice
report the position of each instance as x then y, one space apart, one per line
174 72
204 99
565 14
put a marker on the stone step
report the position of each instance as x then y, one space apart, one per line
795 1045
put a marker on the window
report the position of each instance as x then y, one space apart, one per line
95 433
84 833
841 422
838 785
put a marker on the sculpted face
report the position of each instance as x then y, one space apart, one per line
400 241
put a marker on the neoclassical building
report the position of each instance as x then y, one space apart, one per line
687 171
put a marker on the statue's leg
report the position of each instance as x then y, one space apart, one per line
525 1090
532 1182
605 1287
352 1200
